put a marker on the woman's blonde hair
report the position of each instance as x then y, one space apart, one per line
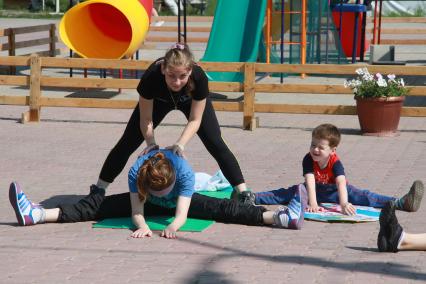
156 173
180 55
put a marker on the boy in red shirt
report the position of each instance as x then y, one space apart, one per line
325 181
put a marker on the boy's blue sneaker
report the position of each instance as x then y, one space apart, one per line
292 217
26 212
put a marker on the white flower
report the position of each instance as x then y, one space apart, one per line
367 77
359 71
391 77
382 82
352 83
366 84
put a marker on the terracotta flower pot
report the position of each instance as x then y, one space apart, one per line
379 116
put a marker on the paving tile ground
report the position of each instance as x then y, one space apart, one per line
57 159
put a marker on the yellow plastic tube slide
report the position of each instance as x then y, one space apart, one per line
110 29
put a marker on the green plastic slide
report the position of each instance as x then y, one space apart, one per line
235 35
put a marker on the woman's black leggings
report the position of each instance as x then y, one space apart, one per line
96 206
209 134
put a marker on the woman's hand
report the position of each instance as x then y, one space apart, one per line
177 149
142 232
169 232
149 148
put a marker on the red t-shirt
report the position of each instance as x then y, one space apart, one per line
326 175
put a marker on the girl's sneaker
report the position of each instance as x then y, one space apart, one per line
27 213
292 217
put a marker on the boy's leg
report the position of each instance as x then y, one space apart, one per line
365 197
292 217
225 210
410 202
274 197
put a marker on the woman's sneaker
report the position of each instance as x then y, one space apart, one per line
391 232
27 213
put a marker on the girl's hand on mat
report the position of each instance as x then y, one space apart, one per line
142 232
177 150
169 233
348 209
149 148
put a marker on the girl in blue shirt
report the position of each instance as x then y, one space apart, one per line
165 180
160 183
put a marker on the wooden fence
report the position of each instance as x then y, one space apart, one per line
411 32
156 34
37 81
12 44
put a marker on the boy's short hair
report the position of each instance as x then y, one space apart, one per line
328 132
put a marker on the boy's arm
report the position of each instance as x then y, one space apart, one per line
138 218
347 208
312 195
182 208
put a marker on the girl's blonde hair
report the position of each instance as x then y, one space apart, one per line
180 55
156 173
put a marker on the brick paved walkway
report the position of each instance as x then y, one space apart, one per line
59 158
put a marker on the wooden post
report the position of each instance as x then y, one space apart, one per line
303 36
268 31
12 49
249 120
35 90
52 42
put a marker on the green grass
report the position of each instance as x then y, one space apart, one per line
19 10
418 12
190 11
28 15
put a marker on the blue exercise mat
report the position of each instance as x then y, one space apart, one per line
333 214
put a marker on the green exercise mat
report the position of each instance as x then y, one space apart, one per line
158 223
226 193
155 223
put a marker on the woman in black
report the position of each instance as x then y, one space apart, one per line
173 82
